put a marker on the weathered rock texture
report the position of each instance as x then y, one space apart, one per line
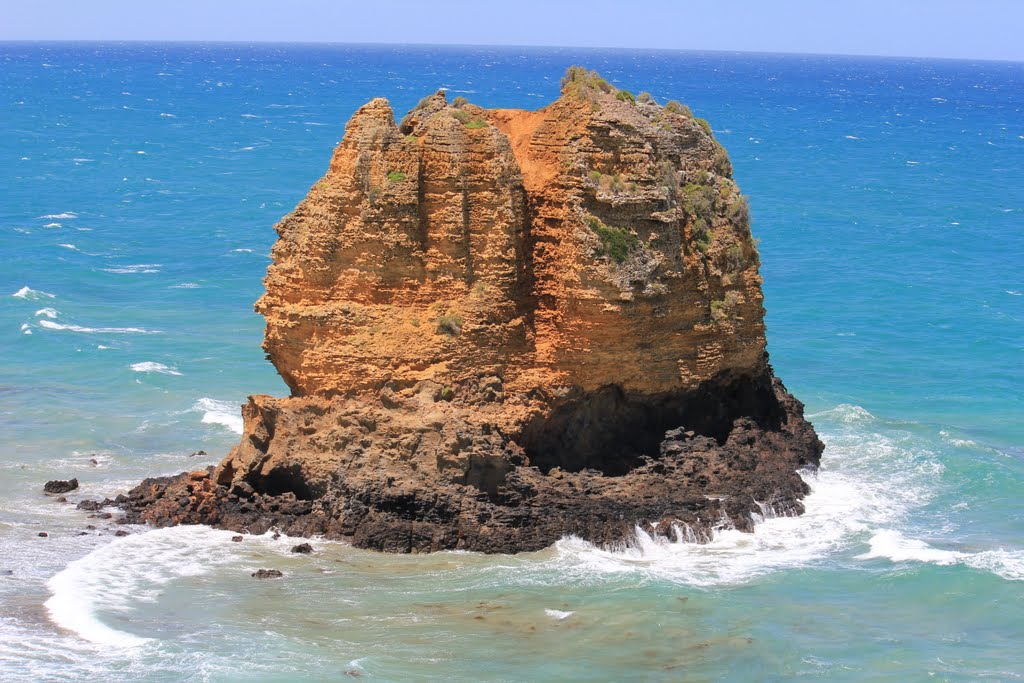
501 327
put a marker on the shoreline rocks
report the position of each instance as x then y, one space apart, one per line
58 486
267 574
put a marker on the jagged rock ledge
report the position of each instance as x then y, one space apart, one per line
502 327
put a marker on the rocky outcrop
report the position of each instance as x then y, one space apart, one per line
58 486
500 327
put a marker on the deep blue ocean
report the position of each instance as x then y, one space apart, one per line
140 186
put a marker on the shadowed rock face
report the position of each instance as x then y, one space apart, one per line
501 327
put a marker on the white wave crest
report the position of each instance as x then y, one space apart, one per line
835 509
136 268
67 215
894 546
185 285
96 330
869 478
128 570
225 413
48 312
26 293
150 366
846 413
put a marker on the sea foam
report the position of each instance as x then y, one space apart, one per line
892 545
26 293
868 479
224 413
50 325
150 366
129 570
836 509
136 268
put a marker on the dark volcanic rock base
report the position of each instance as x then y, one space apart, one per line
423 477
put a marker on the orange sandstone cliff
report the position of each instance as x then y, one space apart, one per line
501 327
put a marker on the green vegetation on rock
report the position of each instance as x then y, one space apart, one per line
721 164
738 212
450 325
581 82
718 310
616 243
677 107
702 235
699 200
396 176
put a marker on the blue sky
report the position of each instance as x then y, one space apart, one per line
981 29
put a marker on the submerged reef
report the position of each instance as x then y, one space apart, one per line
501 327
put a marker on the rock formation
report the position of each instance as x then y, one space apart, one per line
501 327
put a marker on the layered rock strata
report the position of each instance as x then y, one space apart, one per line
500 327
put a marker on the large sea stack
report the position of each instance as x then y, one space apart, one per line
502 327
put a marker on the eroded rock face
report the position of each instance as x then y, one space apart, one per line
501 327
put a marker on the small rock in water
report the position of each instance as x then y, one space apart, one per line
6 572
89 505
197 453
60 486
43 534
94 462
120 532
267 574
62 499
236 539
303 548
90 527
276 536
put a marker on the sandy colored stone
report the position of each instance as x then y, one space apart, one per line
503 326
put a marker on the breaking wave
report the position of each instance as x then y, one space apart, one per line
893 545
150 366
50 325
871 477
225 413
126 571
136 268
31 294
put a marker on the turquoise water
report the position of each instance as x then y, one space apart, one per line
141 185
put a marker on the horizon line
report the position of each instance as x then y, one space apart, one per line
164 41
